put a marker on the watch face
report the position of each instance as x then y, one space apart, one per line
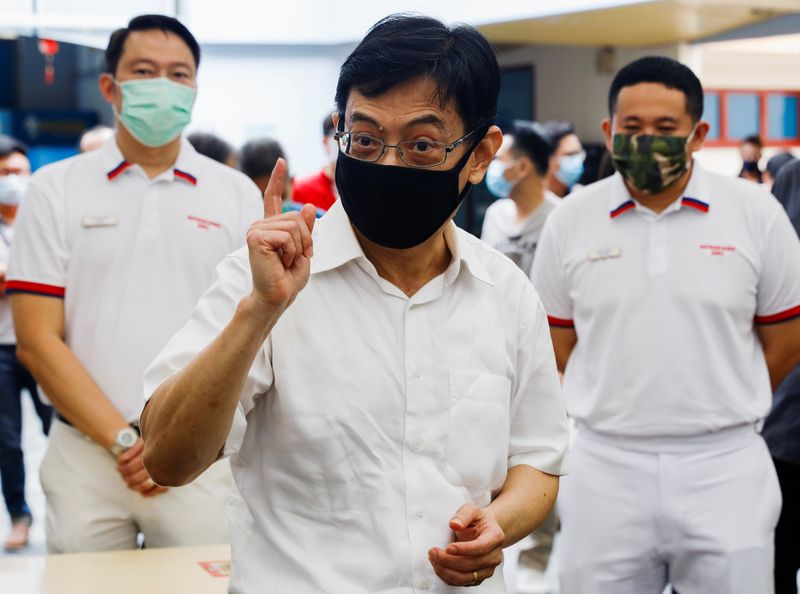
126 438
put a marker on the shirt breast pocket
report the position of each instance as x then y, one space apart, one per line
478 431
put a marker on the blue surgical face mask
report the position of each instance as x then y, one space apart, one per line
12 189
496 181
570 169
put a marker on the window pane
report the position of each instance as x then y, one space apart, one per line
781 117
743 116
516 94
711 115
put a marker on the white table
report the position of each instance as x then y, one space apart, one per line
149 571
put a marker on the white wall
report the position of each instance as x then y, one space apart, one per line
568 84
277 91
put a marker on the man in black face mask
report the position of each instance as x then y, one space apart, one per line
419 429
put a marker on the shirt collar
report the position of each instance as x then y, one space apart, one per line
114 164
695 196
335 244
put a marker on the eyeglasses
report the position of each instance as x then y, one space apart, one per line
414 153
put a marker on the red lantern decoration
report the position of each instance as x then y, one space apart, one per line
49 48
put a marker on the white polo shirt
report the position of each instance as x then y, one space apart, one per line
665 305
372 417
129 255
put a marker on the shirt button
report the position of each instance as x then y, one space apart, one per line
425 583
416 444
420 512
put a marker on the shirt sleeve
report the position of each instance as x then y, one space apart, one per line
779 279
550 279
213 312
539 433
39 252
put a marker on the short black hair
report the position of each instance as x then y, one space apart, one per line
557 130
327 125
10 145
258 157
148 22
754 139
666 71
211 145
530 140
402 47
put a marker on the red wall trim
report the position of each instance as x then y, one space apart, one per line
763 94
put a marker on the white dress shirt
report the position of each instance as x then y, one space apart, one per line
666 305
371 417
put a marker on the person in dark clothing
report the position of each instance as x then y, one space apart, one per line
15 170
782 426
774 166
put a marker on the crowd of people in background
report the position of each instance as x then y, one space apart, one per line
599 250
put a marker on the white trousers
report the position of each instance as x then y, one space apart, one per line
697 512
90 508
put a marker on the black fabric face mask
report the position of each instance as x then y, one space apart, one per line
399 207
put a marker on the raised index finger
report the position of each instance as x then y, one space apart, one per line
273 202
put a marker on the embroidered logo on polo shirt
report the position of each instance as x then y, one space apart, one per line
717 250
203 223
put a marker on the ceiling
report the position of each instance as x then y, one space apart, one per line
659 22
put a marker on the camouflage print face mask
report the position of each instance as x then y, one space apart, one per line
650 163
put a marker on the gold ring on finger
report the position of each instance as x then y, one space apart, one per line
474 578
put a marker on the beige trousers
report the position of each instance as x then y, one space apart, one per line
89 507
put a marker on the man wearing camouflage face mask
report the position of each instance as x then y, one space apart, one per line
673 294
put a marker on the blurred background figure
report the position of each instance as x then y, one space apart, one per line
750 151
782 426
518 178
213 147
94 138
319 189
257 159
566 168
512 225
774 166
15 170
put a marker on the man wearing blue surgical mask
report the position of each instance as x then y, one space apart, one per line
15 170
567 162
517 177
131 232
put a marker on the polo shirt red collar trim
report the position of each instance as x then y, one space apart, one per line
115 164
621 201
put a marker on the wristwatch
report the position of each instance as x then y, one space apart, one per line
126 438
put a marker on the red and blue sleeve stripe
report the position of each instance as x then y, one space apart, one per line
16 286
781 316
